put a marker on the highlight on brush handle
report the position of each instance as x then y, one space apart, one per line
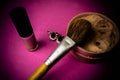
66 44
40 72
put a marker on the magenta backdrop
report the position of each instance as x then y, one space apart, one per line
45 15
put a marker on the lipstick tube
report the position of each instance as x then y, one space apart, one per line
23 26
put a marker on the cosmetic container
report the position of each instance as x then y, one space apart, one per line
23 26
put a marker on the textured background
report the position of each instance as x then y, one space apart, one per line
16 63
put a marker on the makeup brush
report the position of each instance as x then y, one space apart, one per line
76 33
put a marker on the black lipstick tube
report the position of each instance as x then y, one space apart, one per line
23 26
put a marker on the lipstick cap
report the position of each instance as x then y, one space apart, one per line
21 21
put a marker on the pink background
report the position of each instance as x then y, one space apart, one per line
16 63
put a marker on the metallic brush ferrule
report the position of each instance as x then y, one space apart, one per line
66 44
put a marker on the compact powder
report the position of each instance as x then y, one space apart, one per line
102 37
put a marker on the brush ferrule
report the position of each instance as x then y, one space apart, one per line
66 44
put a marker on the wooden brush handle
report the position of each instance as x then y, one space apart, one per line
39 73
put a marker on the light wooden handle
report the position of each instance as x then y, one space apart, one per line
39 73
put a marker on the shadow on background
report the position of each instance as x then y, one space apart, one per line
112 11
112 8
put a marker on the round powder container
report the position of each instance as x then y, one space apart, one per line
102 37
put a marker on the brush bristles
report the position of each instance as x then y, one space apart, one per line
78 29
